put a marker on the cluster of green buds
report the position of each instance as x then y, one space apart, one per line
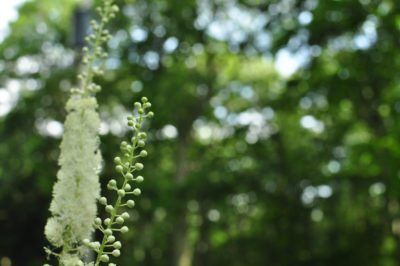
127 166
95 51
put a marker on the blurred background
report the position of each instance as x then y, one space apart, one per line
276 139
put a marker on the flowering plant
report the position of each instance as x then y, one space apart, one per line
77 189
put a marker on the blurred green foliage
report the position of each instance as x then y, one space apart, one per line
245 166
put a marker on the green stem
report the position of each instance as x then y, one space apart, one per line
88 77
112 218
118 202
92 55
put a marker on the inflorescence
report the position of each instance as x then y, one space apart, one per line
71 225
127 166
95 51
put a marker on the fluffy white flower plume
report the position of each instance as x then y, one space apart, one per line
77 188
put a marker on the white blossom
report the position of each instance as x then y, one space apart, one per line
77 188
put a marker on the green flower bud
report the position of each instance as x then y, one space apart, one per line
124 229
104 258
147 105
139 166
95 245
150 114
103 200
86 241
137 105
139 179
127 187
116 253
112 184
110 239
130 118
140 111
117 245
125 215
119 168
108 232
120 220
130 203
97 221
143 153
117 160
112 264
121 192
142 135
144 99
129 176
109 208
137 192
130 123
107 221
129 149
